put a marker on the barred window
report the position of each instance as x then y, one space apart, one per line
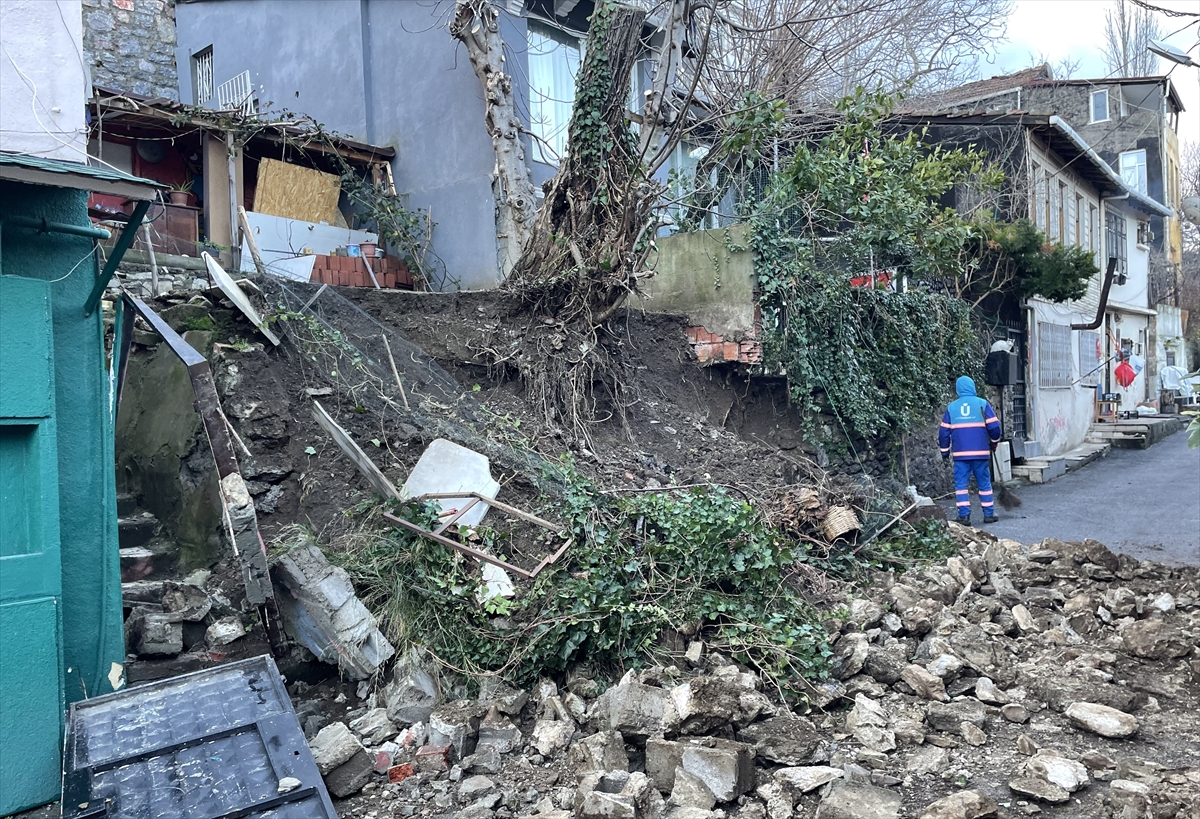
1054 355
1090 356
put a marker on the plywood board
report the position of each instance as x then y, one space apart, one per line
296 192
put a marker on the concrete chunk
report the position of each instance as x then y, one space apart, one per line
636 710
411 696
857 800
726 767
322 613
333 746
602 751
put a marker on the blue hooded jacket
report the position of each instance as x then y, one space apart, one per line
969 426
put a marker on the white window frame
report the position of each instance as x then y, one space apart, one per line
1054 355
1136 166
1092 106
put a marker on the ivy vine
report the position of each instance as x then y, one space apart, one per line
884 354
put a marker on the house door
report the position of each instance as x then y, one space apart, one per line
31 696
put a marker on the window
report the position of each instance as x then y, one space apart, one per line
1090 356
681 175
1100 105
1091 228
1115 242
1063 218
203 86
1133 170
1054 355
1144 235
1053 209
1079 220
553 65
1170 358
1035 197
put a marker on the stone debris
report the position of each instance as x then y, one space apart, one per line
961 805
412 694
1039 789
1059 770
942 705
224 631
1102 720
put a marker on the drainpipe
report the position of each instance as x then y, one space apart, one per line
1109 275
46 226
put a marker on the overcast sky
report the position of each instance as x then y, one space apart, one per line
1074 29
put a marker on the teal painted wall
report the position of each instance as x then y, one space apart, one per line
80 421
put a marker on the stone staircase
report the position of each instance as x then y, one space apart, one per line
1138 433
144 555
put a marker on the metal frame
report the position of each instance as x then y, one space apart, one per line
280 733
248 546
453 516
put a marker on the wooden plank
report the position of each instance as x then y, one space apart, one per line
354 452
230 288
251 242
297 192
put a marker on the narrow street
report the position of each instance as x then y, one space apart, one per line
1142 502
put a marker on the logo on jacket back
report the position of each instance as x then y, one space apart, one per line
965 410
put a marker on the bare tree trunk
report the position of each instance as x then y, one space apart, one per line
657 114
584 253
477 26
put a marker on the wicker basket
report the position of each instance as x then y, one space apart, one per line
840 522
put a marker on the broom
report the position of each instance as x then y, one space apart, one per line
1004 496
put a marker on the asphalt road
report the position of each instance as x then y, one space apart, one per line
1145 503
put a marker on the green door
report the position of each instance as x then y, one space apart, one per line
31 696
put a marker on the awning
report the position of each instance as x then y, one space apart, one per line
58 173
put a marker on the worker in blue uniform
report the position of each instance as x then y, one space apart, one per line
970 431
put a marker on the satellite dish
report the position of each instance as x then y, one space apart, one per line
1191 209
1170 52
151 150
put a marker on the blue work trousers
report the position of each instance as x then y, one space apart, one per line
963 470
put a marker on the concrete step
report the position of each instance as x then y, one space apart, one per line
136 530
155 560
1084 454
126 505
1041 470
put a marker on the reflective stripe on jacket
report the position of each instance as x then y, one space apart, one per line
969 425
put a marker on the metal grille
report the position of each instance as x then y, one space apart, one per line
202 76
1090 356
205 745
1015 425
237 95
1054 355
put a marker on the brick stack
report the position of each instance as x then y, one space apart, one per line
711 348
351 271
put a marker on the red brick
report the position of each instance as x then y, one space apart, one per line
398 773
383 762
730 350
434 758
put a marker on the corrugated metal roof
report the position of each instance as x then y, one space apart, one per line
38 170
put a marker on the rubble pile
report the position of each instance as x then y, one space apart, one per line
1006 681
